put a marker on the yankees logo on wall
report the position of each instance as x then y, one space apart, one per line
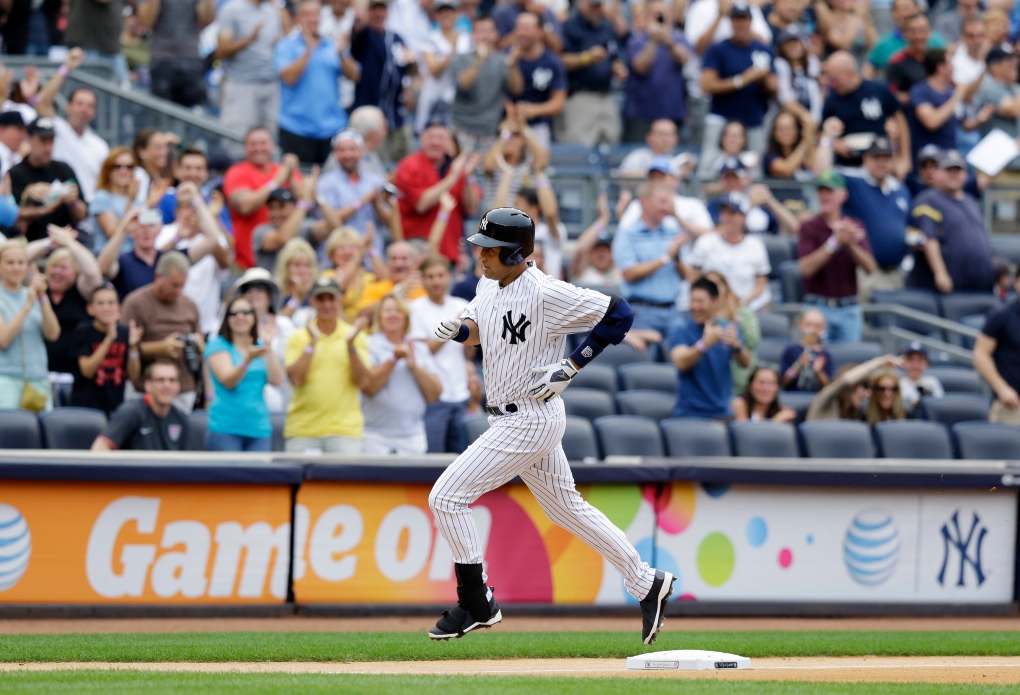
516 330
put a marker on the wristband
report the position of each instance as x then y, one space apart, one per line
63 71
309 349
665 259
700 346
271 186
443 216
542 182
133 354
832 245
598 227
44 300
305 205
463 334
34 99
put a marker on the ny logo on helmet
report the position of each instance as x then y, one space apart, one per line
484 224
516 330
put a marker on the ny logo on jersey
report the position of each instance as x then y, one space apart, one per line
541 78
871 108
516 330
761 59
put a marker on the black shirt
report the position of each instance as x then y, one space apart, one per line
864 110
580 35
1003 326
105 390
135 426
23 175
904 72
70 313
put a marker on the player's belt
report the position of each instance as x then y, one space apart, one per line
506 410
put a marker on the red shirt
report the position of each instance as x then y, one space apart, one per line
415 174
838 277
246 176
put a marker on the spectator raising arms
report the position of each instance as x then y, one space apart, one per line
26 319
657 52
885 403
845 396
791 149
116 189
241 365
403 380
107 353
760 401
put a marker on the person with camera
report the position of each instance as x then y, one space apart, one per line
915 384
240 364
170 324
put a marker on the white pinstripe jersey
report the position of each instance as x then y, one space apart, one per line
525 325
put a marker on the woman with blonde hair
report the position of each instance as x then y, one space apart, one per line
26 320
116 188
403 380
345 248
731 310
296 270
886 402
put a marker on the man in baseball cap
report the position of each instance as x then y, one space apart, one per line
915 384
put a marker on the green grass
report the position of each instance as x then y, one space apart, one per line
414 646
212 683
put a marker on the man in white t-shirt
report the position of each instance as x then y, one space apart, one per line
915 384
197 234
13 132
336 22
443 419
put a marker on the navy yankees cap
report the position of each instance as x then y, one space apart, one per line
740 10
732 165
915 348
11 118
281 195
737 202
929 153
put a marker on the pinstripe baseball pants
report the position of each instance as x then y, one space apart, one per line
527 444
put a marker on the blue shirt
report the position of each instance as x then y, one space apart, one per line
958 226
749 103
580 35
105 201
637 244
381 82
542 77
806 379
945 135
1003 326
705 389
339 191
242 410
133 273
864 110
883 213
311 106
168 206
660 92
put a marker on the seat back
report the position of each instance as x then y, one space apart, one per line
588 403
954 408
656 405
793 288
919 300
780 250
852 353
198 421
959 380
601 377
987 440
579 440
19 429
775 326
71 428
913 439
657 376
837 439
278 420
764 439
770 351
629 435
616 356
798 400
957 305
691 437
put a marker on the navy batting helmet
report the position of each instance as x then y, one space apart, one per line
508 228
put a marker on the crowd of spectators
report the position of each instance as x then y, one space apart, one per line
252 283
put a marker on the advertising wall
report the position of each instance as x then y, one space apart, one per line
96 543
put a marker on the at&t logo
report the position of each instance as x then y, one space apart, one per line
15 546
871 547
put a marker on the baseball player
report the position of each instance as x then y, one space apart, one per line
521 317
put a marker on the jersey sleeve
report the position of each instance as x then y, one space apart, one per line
125 421
569 309
927 219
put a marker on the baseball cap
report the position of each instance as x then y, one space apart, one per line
830 179
282 195
880 146
450 4
740 9
732 165
998 53
603 240
11 118
42 128
737 202
373 3
257 278
325 285
929 153
915 347
348 135
661 164
951 159
790 33
150 216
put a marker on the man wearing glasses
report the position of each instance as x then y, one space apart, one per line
151 423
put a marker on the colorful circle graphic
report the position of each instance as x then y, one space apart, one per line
757 532
715 559
785 558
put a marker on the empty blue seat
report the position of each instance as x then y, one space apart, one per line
579 441
955 407
776 326
19 429
987 440
798 400
853 353
691 437
278 420
588 403
781 249
959 380
198 421
793 288
1007 246
764 439
649 375
913 439
629 435
616 356
601 377
656 405
837 439
71 428
475 426
770 351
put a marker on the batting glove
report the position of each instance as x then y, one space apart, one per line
555 378
447 329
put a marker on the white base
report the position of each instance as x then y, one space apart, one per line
687 660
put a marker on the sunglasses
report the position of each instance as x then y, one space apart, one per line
887 389
123 166
240 312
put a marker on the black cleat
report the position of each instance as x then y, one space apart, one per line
653 607
458 621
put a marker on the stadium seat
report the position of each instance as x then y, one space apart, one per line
957 305
954 408
475 426
793 289
775 326
837 439
852 353
567 158
19 429
618 355
579 442
71 428
959 380
770 351
278 420
646 403
588 403
601 377
198 421
629 435
1007 246
987 440
648 375
604 289
691 437
781 249
913 439
919 300
798 400
764 439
